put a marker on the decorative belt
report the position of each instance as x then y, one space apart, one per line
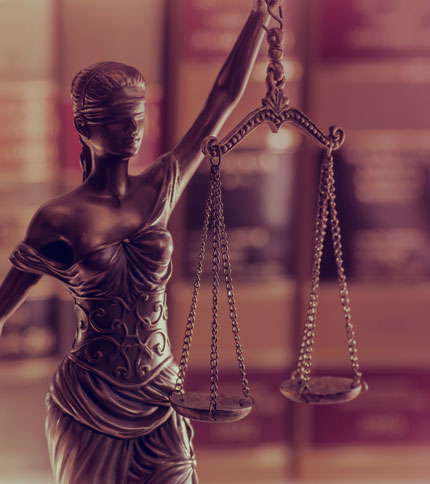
123 343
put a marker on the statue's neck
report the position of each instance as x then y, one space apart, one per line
109 177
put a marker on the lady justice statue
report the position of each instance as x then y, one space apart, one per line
109 416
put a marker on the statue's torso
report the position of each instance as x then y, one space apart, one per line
125 343
118 288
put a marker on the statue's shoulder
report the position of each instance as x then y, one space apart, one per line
53 220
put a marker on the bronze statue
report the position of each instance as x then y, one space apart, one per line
109 416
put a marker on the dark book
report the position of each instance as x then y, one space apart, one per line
258 196
369 74
384 434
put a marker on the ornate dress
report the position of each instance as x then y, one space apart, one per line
109 417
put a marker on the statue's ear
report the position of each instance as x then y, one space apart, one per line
82 126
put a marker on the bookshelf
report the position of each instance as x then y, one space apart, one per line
359 63
43 44
362 65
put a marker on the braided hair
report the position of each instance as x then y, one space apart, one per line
90 92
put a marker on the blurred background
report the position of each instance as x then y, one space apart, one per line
360 64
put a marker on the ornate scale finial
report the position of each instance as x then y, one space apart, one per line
275 108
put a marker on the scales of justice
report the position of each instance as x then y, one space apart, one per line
117 409
301 387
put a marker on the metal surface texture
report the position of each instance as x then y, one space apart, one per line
197 406
322 390
275 110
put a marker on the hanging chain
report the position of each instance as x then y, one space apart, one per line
214 206
220 245
306 348
230 294
183 362
341 278
326 205
214 355
275 81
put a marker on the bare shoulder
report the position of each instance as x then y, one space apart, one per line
53 221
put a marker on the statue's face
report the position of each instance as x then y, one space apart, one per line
121 131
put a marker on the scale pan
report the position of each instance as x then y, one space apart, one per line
196 406
322 390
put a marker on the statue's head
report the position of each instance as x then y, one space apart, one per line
108 103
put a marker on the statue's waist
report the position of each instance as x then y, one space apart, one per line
124 343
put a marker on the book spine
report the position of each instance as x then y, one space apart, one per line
28 157
368 67
258 195
381 170
370 77
383 434
394 413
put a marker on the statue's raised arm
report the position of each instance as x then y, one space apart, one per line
226 92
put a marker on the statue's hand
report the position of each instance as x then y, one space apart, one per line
261 5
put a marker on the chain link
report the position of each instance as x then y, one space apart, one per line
326 207
214 206
183 362
214 355
341 278
306 348
230 297
275 76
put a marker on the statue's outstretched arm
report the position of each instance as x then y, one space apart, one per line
14 290
226 92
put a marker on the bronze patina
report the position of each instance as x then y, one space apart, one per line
110 420
110 406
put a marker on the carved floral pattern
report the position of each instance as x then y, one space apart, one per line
122 341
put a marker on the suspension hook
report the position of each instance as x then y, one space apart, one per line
270 5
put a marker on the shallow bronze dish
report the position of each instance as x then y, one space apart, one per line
196 406
322 390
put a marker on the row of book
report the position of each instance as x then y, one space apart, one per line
43 44
361 65
28 159
367 72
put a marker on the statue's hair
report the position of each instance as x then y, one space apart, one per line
91 90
